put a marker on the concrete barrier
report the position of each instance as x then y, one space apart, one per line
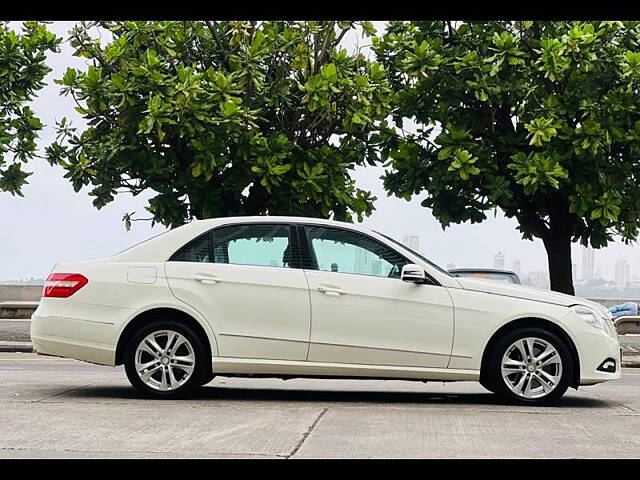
20 293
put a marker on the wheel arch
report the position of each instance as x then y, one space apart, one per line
152 314
533 322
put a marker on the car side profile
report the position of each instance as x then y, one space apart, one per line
304 297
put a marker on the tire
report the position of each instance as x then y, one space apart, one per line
487 386
207 378
525 380
169 375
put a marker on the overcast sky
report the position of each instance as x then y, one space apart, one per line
53 223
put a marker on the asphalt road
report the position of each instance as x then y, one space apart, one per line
52 408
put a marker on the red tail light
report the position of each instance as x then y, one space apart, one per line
63 285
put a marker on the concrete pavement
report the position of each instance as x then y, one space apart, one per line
51 408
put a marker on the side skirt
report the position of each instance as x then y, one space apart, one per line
292 368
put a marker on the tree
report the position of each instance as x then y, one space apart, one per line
223 118
539 119
22 70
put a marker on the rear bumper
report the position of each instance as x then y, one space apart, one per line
84 340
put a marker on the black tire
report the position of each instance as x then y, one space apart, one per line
207 378
201 368
484 382
494 380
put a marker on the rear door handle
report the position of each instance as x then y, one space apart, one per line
333 292
206 278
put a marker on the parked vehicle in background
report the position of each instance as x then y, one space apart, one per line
304 297
507 276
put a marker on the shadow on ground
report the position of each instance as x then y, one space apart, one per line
329 396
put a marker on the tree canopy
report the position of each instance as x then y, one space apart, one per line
223 118
538 119
22 71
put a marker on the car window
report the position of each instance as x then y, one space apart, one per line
344 251
260 244
265 245
197 250
420 256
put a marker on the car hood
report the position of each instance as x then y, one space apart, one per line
526 292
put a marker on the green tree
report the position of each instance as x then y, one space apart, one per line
22 70
539 119
223 118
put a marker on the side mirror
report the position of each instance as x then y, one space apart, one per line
412 273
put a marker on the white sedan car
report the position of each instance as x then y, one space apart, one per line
301 297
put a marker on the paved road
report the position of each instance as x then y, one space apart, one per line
52 408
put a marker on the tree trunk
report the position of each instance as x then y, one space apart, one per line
558 245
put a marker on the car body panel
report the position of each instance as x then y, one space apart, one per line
379 321
260 312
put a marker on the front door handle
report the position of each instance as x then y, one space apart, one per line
206 278
333 292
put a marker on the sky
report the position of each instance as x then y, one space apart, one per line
52 223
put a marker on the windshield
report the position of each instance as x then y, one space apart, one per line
421 257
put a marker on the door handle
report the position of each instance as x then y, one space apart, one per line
333 292
206 278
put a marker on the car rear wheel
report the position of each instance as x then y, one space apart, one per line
166 359
531 366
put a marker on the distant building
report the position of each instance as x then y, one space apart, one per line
517 266
412 241
362 261
622 274
588 264
574 271
451 265
498 261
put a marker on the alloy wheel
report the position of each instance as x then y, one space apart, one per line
531 367
164 360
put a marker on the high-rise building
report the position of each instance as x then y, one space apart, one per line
622 274
412 241
517 266
588 264
498 261
574 271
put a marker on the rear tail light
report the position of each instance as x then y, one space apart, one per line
63 285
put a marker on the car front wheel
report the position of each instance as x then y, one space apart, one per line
530 366
166 359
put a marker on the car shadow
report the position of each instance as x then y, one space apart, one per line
216 393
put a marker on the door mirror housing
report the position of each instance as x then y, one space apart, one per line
412 273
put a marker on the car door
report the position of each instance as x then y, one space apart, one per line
247 281
362 313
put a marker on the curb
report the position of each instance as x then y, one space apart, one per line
16 347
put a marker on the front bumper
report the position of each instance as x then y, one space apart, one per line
594 348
